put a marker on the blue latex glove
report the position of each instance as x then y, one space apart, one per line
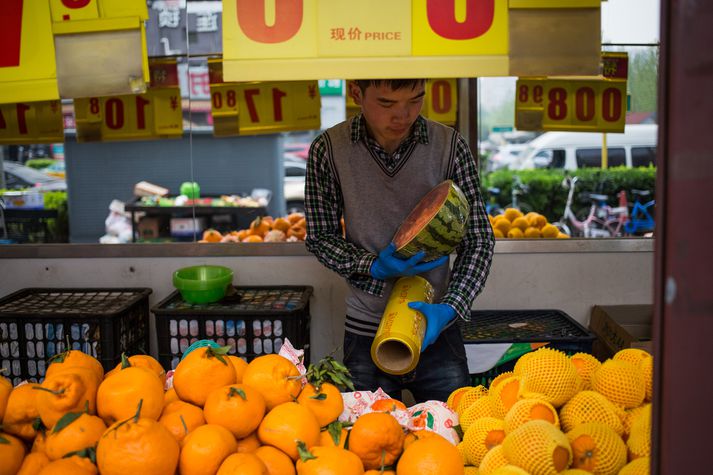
438 315
388 265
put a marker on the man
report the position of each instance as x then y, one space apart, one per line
373 170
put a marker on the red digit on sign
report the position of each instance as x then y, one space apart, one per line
230 98
141 104
251 18
114 113
584 104
537 94
94 105
611 104
557 108
252 110
11 33
523 94
442 18
441 97
76 3
217 100
21 117
277 96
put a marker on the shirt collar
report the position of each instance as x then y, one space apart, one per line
419 131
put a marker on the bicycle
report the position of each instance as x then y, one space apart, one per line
493 208
641 220
518 188
599 220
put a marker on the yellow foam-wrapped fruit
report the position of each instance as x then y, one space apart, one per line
505 395
586 365
640 466
575 471
639 441
494 459
515 233
513 213
469 397
549 231
620 382
538 447
510 470
590 406
647 372
470 470
499 379
632 355
630 416
597 448
551 374
520 223
527 410
482 435
532 233
502 225
454 397
483 407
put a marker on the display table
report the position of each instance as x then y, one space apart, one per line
221 218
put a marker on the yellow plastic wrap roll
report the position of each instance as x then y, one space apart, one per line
397 345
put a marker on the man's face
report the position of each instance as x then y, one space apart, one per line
389 114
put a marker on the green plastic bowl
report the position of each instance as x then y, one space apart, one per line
202 284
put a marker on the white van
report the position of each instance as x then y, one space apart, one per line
636 147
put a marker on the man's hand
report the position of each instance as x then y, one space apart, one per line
388 265
437 317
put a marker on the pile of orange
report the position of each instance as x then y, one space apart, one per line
222 416
292 227
560 414
513 224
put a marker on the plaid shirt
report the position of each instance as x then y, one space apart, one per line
324 205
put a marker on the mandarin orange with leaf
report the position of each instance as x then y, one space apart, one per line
70 390
287 423
242 464
325 401
248 444
239 365
200 372
205 449
75 359
180 418
12 451
137 445
237 407
377 438
74 465
5 390
431 456
328 461
276 461
21 412
143 361
73 432
276 377
33 463
120 393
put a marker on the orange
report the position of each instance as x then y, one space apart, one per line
74 465
137 445
379 472
21 411
170 396
38 445
287 423
120 393
205 449
180 418
5 390
276 461
327 436
329 461
211 235
239 365
415 435
74 359
252 238
11 453
33 463
276 377
66 391
431 456
387 405
259 226
326 403
281 224
242 464
237 407
248 444
143 361
377 438
83 432
200 372
293 218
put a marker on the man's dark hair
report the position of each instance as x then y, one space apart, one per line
394 84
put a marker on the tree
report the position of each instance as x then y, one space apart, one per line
643 79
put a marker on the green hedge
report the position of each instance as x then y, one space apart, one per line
547 196
39 163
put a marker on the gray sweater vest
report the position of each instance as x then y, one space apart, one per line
376 201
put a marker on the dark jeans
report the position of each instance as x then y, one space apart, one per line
441 369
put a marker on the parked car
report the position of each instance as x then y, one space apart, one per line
506 156
19 177
636 147
294 185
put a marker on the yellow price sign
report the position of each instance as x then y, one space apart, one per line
31 122
595 105
441 101
268 107
155 114
225 109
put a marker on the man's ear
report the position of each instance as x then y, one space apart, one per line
355 92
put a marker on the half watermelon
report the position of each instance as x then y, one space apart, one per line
436 225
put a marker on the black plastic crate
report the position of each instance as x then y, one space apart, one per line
554 327
37 323
253 320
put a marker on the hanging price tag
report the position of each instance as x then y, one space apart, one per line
441 101
223 102
155 114
584 105
269 107
31 122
